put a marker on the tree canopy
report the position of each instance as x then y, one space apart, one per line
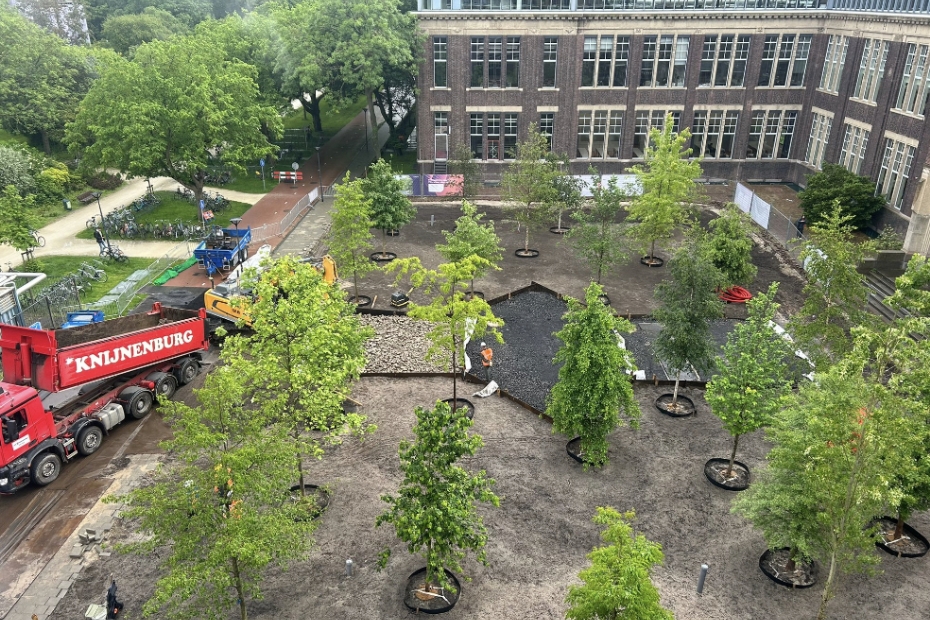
349 236
471 237
17 221
390 208
124 33
855 193
528 184
597 235
730 246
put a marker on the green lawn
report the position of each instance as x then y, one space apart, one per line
333 120
173 209
404 164
59 267
6 136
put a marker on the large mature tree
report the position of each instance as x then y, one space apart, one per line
597 236
17 219
349 237
124 33
219 523
688 304
528 184
666 179
191 12
855 194
171 108
752 383
471 237
305 349
618 583
835 293
730 246
390 208
594 393
435 511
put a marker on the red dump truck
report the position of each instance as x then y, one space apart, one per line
123 365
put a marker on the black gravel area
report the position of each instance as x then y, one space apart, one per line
641 344
523 364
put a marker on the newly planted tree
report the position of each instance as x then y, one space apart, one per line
434 511
753 382
305 350
594 394
349 237
688 303
528 184
618 584
220 523
597 236
471 237
390 208
730 246
567 194
667 183
468 169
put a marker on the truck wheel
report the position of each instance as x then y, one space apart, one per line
137 402
46 468
89 439
165 385
186 371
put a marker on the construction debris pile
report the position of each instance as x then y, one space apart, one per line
399 345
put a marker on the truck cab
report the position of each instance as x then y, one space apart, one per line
24 425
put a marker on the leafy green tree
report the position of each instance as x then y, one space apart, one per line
889 239
688 304
528 184
597 236
829 472
834 183
305 349
16 169
222 526
594 386
17 220
349 237
434 510
469 169
567 187
390 208
471 237
169 109
618 583
835 293
452 314
667 182
753 382
730 246
912 288
124 33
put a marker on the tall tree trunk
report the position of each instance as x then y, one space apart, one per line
313 106
372 119
675 393
383 243
46 144
240 589
729 471
652 250
827 588
526 239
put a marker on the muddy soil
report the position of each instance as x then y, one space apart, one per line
539 536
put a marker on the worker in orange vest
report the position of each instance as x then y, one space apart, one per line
487 360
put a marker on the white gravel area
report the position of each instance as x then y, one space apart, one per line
399 345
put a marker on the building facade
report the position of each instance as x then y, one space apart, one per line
770 89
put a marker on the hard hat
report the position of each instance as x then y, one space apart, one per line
483 345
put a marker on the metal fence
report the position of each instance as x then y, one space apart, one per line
780 226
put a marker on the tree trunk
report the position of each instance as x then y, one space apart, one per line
652 250
46 144
899 527
355 279
455 373
300 464
675 393
559 225
526 239
313 106
240 589
827 589
383 243
729 471
372 119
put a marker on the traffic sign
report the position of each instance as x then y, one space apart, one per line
295 166
36 325
201 204
261 162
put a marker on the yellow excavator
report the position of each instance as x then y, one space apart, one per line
218 301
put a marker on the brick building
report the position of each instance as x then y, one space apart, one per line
769 88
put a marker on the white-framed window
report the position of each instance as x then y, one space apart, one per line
770 134
646 120
547 126
896 167
784 60
550 61
871 70
477 62
855 141
833 63
510 135
665 61
820 137
604 61
723 60
440 58
488 142
513 62
599 134
441 122
476 130
713 133
488 65
914 92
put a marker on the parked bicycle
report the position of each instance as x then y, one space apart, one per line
40 240
113 252
93 272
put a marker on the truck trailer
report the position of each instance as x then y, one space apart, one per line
115 369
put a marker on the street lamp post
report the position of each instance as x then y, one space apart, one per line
319 171
106 235
235 221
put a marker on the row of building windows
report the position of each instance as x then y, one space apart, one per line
618 5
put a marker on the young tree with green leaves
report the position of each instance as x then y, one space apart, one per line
730 246
222 525
390 208
453 314
618 584
594 393
349 236
834 183
528 184
666 179
568 196
471 237
835 293
434 511
305 349
468 168
17 219
597 236
753 382
169 110
689 303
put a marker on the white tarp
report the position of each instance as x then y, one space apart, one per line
487 391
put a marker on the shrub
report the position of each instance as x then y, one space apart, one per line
16 169
52 183
104 180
